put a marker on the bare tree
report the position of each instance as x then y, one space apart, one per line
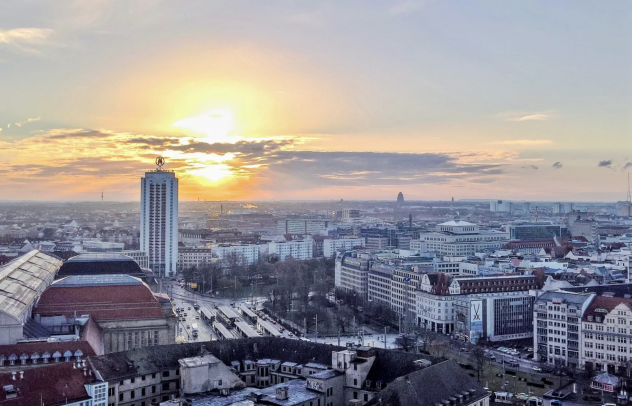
479 360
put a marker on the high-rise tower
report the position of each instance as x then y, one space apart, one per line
159 219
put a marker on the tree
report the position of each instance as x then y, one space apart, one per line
479 360
406 341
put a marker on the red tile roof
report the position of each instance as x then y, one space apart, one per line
101 302
56 384
606 303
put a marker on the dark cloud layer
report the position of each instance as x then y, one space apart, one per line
557 165
605 164
370 168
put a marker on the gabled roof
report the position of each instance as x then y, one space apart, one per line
431 386
601 303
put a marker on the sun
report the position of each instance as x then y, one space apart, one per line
216 125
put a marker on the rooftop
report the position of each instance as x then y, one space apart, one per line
23 279
96 280
57 384
438 383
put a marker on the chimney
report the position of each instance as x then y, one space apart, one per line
84 372
13 375
21 374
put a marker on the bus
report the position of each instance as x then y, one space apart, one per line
194 329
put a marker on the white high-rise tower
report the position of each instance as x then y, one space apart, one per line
159 219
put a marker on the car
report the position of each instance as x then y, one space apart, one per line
492 356
188 327
282 328
557 402
185 315
536 368
189 308
197 317
273 321
522 396
530 349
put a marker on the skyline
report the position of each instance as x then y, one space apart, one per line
317 100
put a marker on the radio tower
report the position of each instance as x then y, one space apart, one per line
101 195
629 198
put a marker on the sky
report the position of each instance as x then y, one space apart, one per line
296 100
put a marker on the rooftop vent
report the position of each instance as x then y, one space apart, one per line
10 392
282 393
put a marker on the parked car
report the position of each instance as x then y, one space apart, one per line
536 368
557 402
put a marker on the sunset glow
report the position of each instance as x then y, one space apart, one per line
216 125
317 100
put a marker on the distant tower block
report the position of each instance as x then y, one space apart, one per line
400 199
159 219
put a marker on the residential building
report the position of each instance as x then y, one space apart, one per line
54 385
606 328
194 257
159 219
297 248
241 254
332 246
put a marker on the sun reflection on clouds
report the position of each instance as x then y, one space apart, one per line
217 125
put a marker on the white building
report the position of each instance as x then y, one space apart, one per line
246 254
159 219
331 246
190 257
303 226
607 335
298 249
458 238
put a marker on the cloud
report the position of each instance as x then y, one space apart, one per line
628 165
518 116
557 165
25 39
530 167
18 124
524 142
321 169
605 164
75 160
30 120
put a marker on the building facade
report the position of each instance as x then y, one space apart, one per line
159 220
331 246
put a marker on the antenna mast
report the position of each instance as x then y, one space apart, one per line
629 198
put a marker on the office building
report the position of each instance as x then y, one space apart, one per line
461 238
159 219
556 328
535 231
